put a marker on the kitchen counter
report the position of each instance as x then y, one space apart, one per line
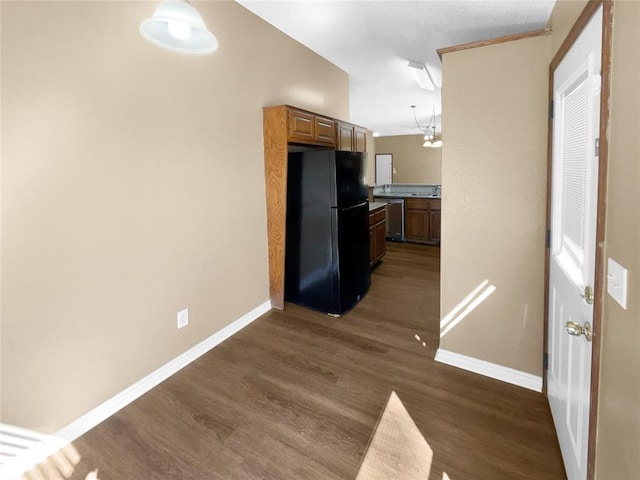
407 190
404 195
376 205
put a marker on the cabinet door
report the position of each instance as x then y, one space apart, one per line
372 245
381 241
345 137
360 139
434 225
325 130
417 224
301 126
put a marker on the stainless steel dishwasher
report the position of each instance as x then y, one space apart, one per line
395 219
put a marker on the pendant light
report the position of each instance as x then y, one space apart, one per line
430 139
177 26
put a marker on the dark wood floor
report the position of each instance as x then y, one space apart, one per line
296 395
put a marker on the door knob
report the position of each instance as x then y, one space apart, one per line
576 330
588 294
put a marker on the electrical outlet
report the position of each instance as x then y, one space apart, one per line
183 318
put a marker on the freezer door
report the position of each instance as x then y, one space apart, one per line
350 186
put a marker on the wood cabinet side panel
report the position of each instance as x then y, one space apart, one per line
275 172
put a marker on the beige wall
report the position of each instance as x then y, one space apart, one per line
618 437
493 207
412 162
132 187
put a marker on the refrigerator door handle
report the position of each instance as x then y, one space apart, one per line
359 205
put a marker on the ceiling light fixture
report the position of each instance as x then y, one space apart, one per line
421 75
430 138
177 26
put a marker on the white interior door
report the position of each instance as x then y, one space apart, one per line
576 118
384 165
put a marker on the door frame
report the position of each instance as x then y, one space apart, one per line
375 167
603 160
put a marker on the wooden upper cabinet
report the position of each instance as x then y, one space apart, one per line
360 139
309 128
351 138
345 136
301 126
325 130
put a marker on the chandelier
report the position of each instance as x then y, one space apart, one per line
430 138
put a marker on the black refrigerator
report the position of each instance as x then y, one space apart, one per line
327 242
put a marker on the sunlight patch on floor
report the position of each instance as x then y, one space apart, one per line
397 449
30 455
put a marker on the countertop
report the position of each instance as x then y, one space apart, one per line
376 205
404 195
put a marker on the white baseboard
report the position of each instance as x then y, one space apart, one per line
122 399
488 369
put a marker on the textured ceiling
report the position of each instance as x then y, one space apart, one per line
373 41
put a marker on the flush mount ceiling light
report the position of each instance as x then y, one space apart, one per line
430 138
177 26
420 73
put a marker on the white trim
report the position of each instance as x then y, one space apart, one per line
488 369
128 395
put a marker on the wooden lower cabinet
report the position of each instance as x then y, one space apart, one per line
416 223
380 235
422 220
434 225
377 235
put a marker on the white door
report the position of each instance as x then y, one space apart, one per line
384 165
576 121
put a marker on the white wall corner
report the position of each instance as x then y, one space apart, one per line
488 369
